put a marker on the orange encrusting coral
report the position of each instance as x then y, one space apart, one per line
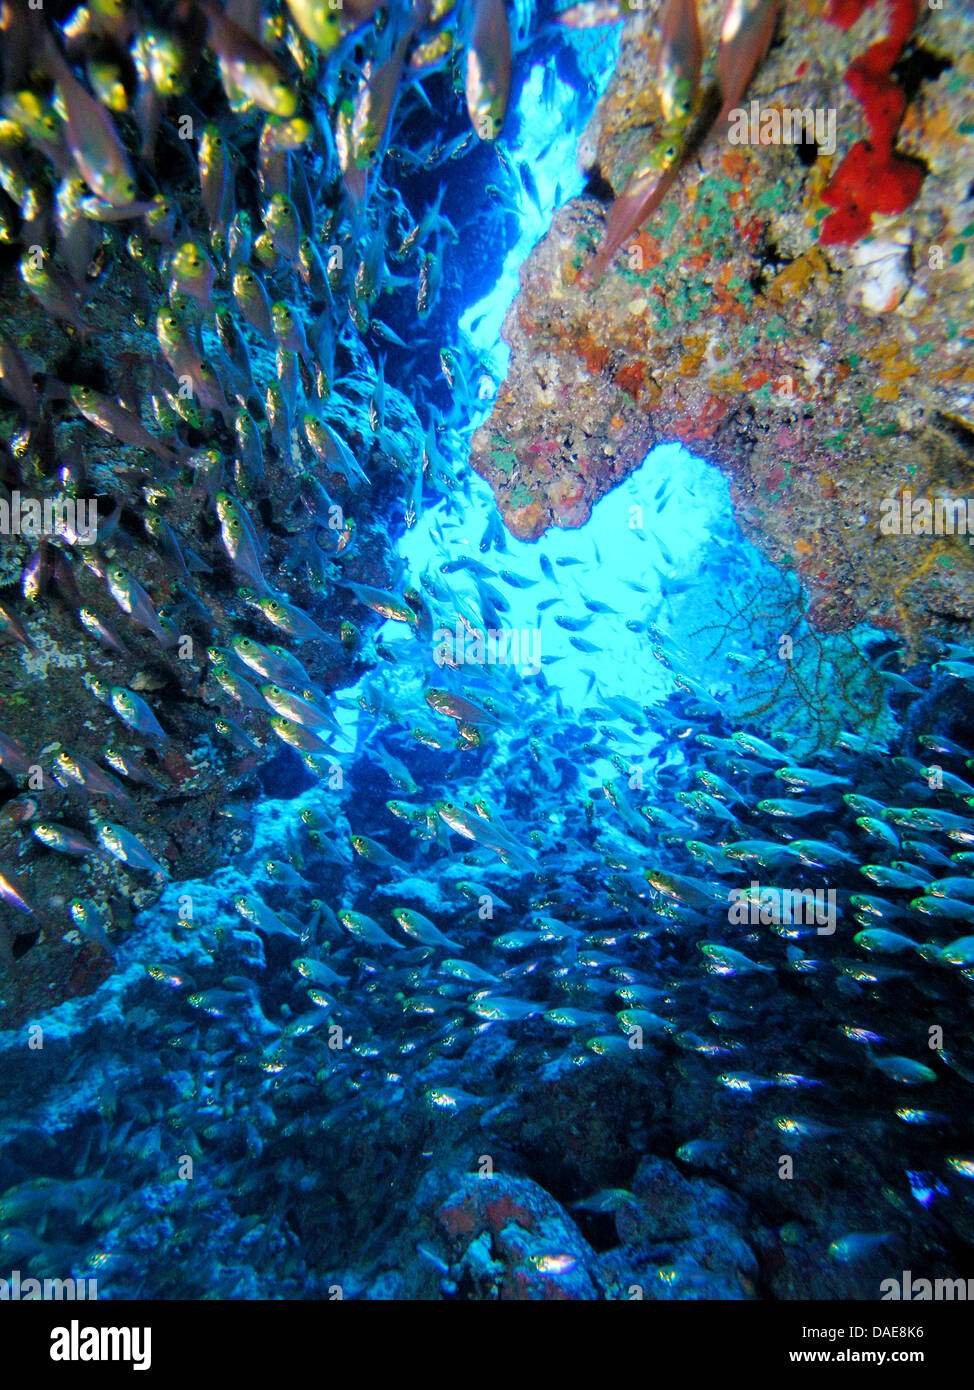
706 422
630 379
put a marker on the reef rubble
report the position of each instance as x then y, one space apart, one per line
799 318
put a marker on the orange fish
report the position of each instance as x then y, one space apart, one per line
641 196
744 38
678 80
488 70
680 59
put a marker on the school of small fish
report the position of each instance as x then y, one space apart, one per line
254 368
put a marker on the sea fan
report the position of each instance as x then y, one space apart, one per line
784 677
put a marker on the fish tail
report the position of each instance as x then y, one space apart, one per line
627 214
736 62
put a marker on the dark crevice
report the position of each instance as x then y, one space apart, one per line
599 187
917 66
806 153
23 942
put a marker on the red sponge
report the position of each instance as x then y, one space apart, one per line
872 178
